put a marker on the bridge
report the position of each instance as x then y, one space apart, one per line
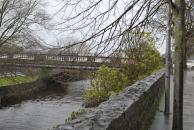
59 61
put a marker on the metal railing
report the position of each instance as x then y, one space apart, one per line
46 60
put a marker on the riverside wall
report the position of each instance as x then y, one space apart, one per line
132 109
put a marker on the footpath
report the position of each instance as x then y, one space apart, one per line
162 122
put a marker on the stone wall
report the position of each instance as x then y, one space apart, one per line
133 109
13 94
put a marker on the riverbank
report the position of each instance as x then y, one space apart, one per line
13 94
12 80
43 112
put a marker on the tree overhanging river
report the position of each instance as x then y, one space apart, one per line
44 112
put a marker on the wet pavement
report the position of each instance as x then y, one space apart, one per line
162 122
188 108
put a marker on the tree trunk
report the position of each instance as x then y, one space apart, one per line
168 64
179 34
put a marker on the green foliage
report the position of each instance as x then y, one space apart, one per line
146 59
107 81
74 114
11 80
31 72
44 72
37 73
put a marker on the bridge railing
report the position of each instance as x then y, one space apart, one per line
48 59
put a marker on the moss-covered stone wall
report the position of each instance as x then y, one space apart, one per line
13 94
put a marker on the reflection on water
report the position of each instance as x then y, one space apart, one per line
43 113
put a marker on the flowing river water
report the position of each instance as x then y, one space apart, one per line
44 112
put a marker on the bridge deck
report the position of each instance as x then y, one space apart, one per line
162 122
59 61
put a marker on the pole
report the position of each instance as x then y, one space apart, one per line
168 63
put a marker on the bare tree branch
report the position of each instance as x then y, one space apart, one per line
16 17
103 25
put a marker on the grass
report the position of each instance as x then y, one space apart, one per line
74 115
12 80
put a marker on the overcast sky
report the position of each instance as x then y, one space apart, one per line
51 36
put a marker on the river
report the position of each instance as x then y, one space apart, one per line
44 112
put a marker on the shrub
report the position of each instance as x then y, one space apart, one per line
143 59
146 59
37 73
107 82
44 72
